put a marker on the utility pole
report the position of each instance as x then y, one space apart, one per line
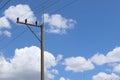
41 41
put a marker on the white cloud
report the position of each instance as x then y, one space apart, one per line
62 78
59 58
110 57
78 64
114 56
4 23
20 10
117 68
7 33
58 24
105 76
25 65
99 59
55 71
4 67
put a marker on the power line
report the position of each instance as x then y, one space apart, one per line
11 41
5 4
1 1
40 10
70 3
23 15
11 31
23 31
20 33
37 7
52 4
66 5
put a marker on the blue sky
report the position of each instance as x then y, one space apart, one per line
81 39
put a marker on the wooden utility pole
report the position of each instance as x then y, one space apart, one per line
42 51
41 41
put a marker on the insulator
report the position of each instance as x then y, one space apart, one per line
17 19
25 20
36 23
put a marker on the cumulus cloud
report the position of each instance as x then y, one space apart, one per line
55 71
99 59
5 32
4 23
59 58
20 10
105 76
58 24
12 13
111 57
25 65
78 64
117 68
62 78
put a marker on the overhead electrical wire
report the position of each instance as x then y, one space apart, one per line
66 5
40 10
36 7
11 31
11 41
7 44
5 4
54 11
2 8
50 5
32 30
1 1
